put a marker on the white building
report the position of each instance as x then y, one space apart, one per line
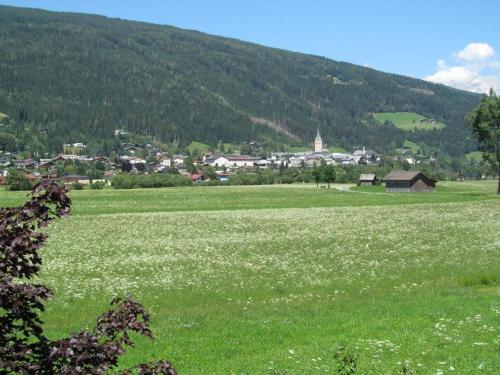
135 161
318 143
165 162
242 161
217 161
263 163
69 156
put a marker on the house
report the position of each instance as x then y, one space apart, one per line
430 121
102 159
119 132
165 162
408 182
74 179
223 177
195 177
313 159
216 161
18 164
264 163
178 159
367 179
69 156
30 163
239 161
135 161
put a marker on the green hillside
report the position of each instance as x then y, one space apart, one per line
407 121
414 147
75 78
197 147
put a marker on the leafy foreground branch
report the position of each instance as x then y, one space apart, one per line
24 349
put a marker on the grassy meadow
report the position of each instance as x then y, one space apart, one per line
406 120
414 147
270 279
475 156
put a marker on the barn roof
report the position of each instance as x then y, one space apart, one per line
367 177
402 175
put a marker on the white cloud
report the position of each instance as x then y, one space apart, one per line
476 52
473 70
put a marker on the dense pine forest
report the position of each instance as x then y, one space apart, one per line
75 78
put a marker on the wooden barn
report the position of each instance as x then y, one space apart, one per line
367 179
409 182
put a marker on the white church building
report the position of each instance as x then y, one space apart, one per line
318 143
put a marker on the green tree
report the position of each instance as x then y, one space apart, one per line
209 172
317 174
329 174
245 149
59 168
7 142
485 123
191 168
283 168
17 180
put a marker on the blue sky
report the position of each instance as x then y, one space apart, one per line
424 39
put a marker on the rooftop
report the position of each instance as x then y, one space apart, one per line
402 175
367 177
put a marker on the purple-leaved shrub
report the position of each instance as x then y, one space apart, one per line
24 349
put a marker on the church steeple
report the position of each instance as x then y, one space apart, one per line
318 143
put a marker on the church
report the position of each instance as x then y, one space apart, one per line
318 143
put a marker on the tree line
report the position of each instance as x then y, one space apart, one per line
87 75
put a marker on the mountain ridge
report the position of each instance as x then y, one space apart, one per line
81 76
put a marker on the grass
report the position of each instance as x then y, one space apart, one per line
469 189
338 149
414 147
201 147
231 147
406 120
474 156
248 280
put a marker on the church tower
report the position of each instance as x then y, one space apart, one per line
318 143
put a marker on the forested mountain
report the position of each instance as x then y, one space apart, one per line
75 78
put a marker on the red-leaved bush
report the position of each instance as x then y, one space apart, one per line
24 349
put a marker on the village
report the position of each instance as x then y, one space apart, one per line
249 187
74 167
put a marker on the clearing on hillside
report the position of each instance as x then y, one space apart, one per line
476 156
201 148
414 147
408 120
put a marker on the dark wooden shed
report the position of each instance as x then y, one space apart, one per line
367 179
409 182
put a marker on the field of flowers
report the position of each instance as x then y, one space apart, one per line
257 280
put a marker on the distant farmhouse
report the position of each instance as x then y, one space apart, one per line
367 179
408 182
428 121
